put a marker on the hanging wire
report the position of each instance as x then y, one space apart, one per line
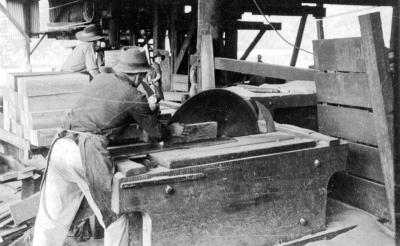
280 35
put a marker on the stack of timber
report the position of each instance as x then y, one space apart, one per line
35 104
17 217
347 108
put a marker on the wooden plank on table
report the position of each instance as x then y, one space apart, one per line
381 88
50 102
8 176
129 168
264 69
343 88
349 123
24 210
302 132
52 84
197 156
361 193
364 161
4 232
196 132
344 54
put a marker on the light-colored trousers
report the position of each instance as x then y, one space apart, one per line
62 192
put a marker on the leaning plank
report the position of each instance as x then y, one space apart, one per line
189 157
344 54
343 88
196 132
129 168
349 123
264 69
52 84
24 210
381 87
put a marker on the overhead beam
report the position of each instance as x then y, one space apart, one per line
299 38
14 21
264 69
252 44
251 25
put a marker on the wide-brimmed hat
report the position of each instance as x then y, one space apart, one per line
132 59
158 54
89 34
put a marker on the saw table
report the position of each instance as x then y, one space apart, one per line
237 189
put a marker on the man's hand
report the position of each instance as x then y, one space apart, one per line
178 130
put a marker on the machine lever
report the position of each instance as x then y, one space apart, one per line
162 180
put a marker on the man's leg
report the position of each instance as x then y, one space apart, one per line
60 198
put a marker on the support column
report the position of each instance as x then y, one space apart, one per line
155 24
320 29
298 40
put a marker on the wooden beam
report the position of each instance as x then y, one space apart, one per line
251 25
264 69
38 43
252 44
173 35
184 47
320 29
155 25
207 62
299 38
14 21
380 85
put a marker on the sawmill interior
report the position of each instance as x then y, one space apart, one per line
256 153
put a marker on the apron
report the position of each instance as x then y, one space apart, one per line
98 165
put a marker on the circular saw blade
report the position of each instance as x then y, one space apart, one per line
235 116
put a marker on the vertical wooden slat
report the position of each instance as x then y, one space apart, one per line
155 25
380 85
320 29
299 38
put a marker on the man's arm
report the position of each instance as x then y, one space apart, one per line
148 119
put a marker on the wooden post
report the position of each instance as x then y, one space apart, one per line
207 26
380 85
395 47
155 25
253 44
173 37
299 37
320 29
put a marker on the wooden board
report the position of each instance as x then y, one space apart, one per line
343 54
129 168
24 210
343 88
43 119
264 69
197 131
52 84
381 88
50 102
364 161
12 77
207 61
198 156
360 193
349 123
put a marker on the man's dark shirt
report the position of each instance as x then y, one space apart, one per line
108 105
